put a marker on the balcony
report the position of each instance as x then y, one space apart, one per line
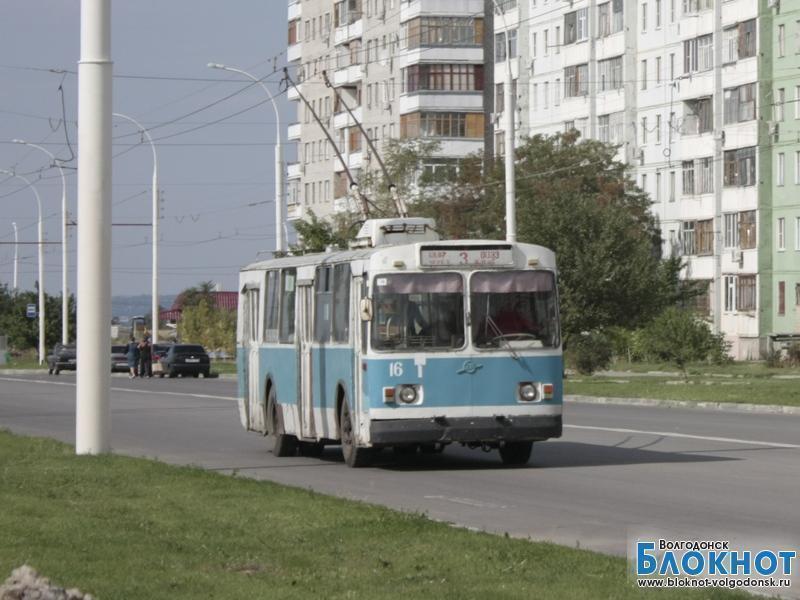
355 160
294 212
292 94
415 8
294 52
295 10
348 75
293 133
348 33
440 100
343 119
293 170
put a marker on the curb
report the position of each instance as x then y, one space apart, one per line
769 409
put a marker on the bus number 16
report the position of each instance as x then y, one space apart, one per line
395 369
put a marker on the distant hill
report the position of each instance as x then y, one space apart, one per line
131 306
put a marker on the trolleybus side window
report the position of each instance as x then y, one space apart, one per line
418 310
514 306
341 303
250 315
271 314
286 325
323 293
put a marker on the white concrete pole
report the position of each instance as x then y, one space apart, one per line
16 256
42 351
154 300
280 240
508 109
93 422
64 284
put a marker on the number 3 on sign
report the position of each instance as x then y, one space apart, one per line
395 369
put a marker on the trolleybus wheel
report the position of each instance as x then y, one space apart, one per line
353 455
516 453
282 443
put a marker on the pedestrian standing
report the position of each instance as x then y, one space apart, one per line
145 358
132 355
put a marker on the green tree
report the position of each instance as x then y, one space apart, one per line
214 328
194 295
22 332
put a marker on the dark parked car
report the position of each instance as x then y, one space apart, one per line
62 358
119 358
185 359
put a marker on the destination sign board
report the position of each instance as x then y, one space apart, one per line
474 256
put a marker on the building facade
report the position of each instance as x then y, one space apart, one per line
404 69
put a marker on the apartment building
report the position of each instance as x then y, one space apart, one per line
405 69
685 88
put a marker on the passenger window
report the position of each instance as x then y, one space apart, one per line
322 314
289 280
341 303
271 314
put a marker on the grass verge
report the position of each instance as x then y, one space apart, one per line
752 383
126 528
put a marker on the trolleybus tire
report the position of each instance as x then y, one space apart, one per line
282 444
353 455
310 449
515 454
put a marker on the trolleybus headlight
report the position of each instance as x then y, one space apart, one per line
408 394
527 392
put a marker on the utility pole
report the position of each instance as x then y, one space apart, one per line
93 421
16 255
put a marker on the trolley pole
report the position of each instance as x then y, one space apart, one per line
93 422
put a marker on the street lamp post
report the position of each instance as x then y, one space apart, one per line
64 285
508 109
280 243
41 261
16 255
154 302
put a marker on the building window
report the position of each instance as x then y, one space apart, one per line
503 47
780 102
688 239
658 186
535 96
546 42
740 104
797 234
781 40
705 166
609 18
610 128
746 292
697 116
449 78
731 231
687 168
644 74
610 72
781 234
644 130
576 26
658 128
658 70
695 6
698 54
740 167
729 282
644 182
441 125
781 298
576 80
704 237
658 14
739 41
444 31
672 186
644 17
546 94
781 169
747 229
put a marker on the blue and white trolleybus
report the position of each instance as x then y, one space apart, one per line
405 341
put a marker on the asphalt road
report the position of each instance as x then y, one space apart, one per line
618 472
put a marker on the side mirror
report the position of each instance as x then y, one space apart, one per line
366 309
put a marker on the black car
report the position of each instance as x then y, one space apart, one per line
185 359
62 358
119 358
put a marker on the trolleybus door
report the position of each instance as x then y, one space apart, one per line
305 335
250 335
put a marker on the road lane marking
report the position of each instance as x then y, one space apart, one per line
467 502
116 389
685 436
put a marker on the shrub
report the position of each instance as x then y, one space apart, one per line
679 337
590 351
793 354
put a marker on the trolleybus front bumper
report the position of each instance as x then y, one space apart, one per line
498 428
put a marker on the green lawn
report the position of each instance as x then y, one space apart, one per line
24 362
223 366
753 383
127 528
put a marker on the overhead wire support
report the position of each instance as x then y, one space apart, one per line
399 203
364 203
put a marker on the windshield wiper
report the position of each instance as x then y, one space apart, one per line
499 335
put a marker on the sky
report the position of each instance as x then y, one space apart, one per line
217 180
